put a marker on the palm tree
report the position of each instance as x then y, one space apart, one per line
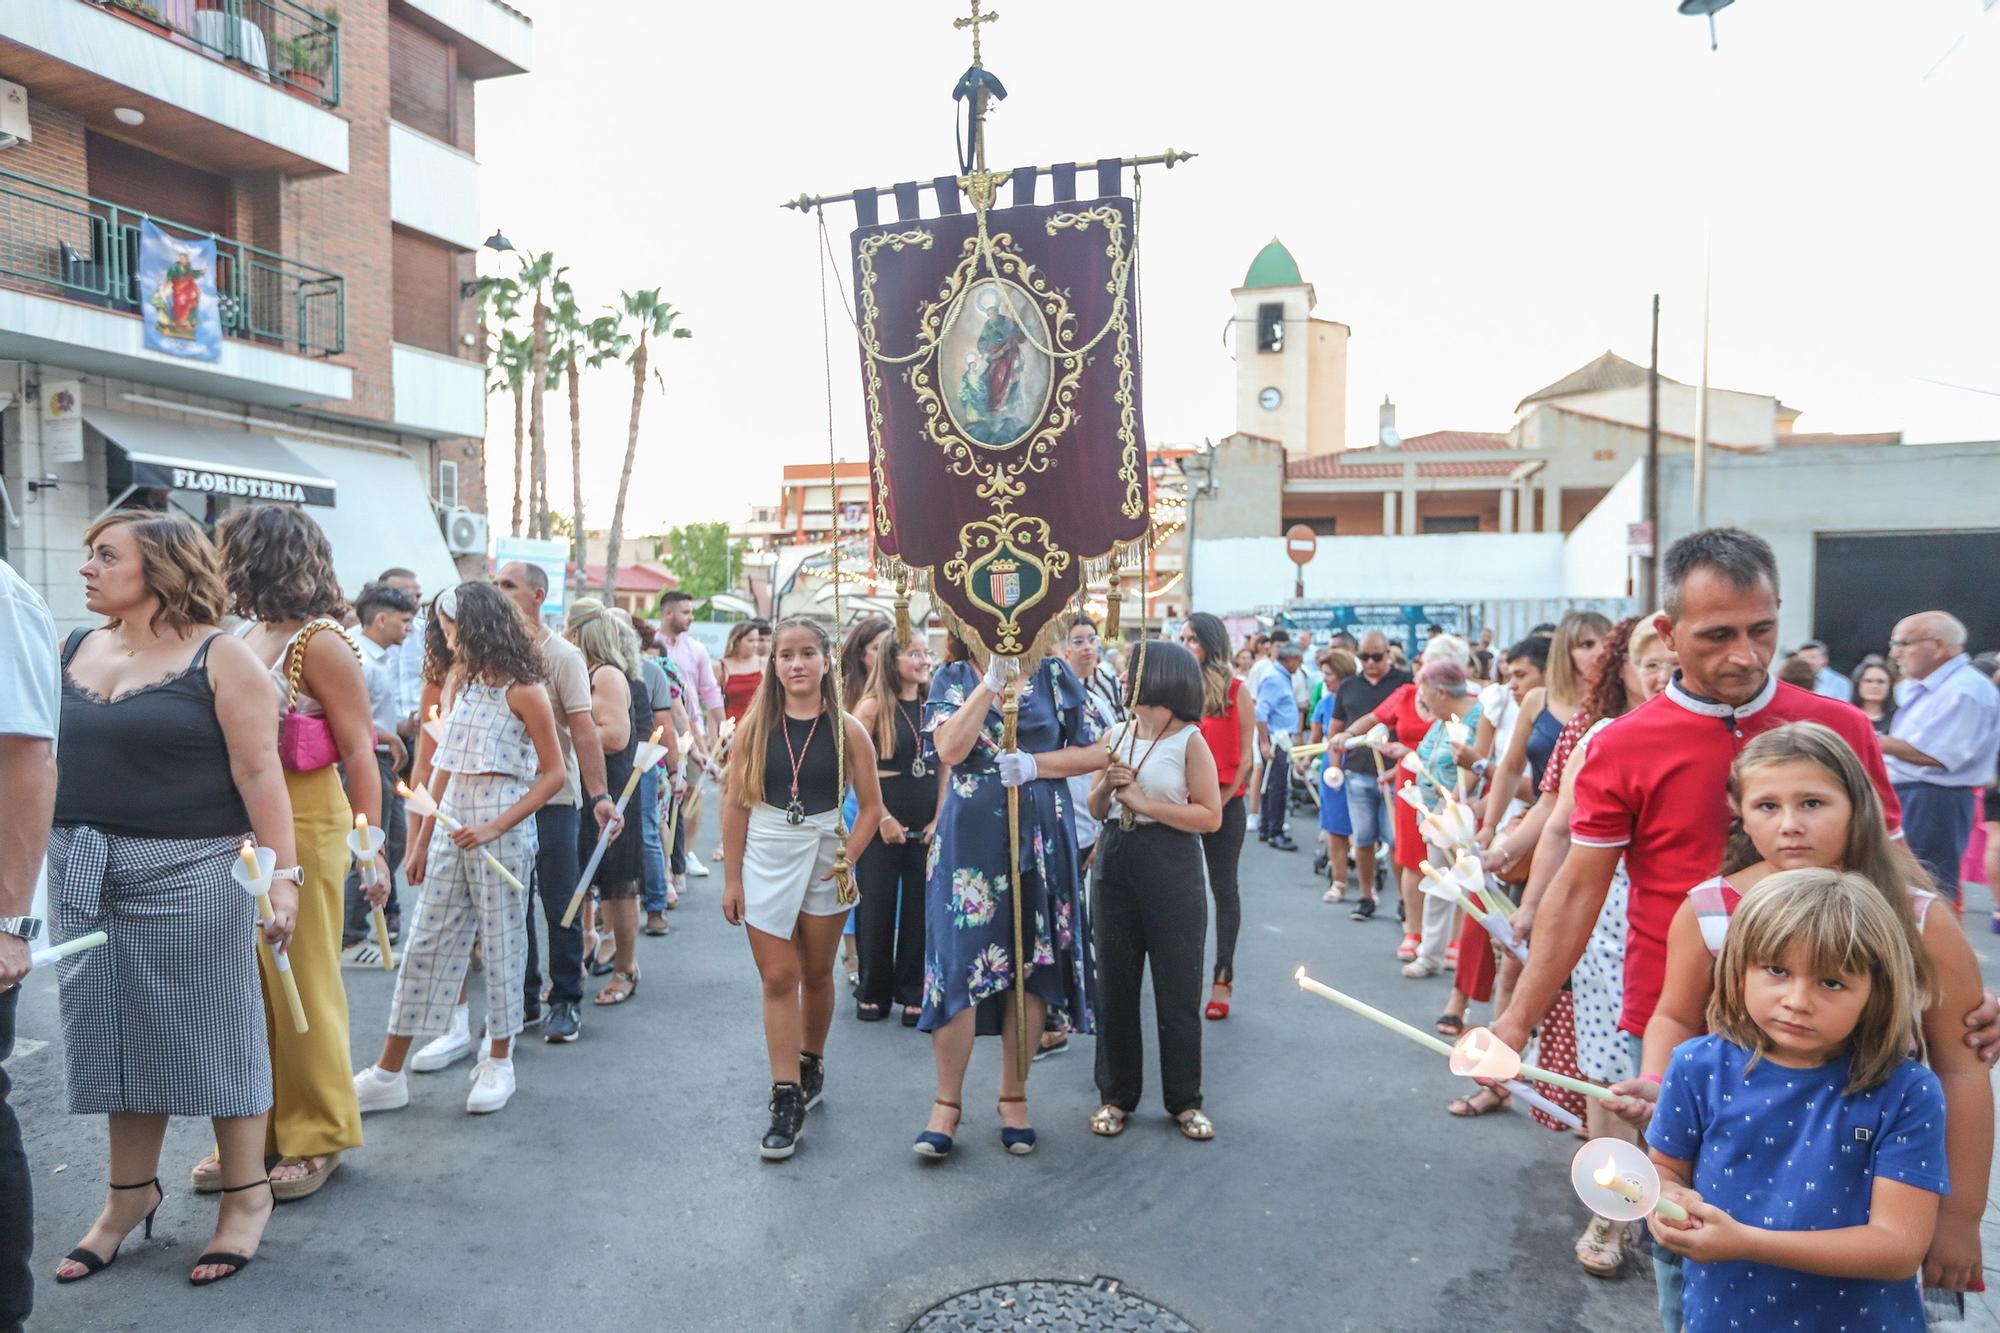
645 317
506 360
539 274
567 349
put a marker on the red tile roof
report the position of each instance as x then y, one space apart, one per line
1800 439
631 578
1374 463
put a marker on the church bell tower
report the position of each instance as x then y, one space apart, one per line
1291 369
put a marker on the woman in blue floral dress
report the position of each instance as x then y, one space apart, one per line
969 964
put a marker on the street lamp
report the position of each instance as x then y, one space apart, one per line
1708 8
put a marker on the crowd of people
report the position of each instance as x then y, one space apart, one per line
1734 893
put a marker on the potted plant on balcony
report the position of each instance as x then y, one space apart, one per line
143 14
302 61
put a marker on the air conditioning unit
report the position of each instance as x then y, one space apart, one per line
465 532
13 114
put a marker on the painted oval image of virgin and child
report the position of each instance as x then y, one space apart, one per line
994 381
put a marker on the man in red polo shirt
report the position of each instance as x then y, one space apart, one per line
1654 789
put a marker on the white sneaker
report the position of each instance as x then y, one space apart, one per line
492 1086
361 953
453 1046
695 867
379 1091
1418 969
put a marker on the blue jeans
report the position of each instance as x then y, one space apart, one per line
1367 810
653 887
1937 823
556 870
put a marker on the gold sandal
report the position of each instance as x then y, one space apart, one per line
1109 1121
1196 1126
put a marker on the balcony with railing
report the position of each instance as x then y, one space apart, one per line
70 292
278 41
233 86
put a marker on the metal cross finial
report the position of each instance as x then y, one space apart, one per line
973 23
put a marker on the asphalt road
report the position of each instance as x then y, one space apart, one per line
621 1189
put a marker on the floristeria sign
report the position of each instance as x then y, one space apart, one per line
1001 369
176 477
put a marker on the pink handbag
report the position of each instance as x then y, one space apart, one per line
305 743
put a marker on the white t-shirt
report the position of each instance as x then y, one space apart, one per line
30 677
1498 706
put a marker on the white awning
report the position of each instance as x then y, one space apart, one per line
181 456
384 518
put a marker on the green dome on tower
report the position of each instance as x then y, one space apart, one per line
1274 267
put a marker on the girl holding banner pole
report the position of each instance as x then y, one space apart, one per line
969 963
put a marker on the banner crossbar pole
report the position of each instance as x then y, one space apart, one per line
806 203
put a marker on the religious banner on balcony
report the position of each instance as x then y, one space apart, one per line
1000 368
178 305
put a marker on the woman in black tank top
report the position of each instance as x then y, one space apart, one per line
160 712
780 833
889 920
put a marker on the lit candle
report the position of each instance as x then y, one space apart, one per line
255 878
57 952
364 842
1371 1013
425 805
1426 1040
649 754
1632 1180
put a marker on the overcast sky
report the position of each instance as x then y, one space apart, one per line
1486 193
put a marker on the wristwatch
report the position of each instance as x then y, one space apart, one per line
601 796
27 927
296 874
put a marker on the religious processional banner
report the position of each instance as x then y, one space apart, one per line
1006 453
177 285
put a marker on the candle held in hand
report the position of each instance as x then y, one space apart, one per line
250 866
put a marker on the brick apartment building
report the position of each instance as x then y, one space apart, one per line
329 154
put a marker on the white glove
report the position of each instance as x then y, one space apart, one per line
1017 768
1000 670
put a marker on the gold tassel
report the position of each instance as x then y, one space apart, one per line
1111 597
902 608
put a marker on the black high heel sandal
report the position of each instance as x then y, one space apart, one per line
237 1262
92 1265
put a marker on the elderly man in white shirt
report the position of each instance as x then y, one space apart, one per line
1943 742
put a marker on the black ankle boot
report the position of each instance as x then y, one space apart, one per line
812 1077
788 1118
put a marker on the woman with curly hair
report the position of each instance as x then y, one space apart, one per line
278 569
497 762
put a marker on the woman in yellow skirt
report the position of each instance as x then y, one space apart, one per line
279 569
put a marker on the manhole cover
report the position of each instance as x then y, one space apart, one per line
1059 1307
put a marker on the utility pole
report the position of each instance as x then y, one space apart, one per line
1648 585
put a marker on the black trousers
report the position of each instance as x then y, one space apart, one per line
1222 850
1147 902
17 1203
556 870
1277 793
889 922
358 925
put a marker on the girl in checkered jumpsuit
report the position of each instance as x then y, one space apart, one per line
497 763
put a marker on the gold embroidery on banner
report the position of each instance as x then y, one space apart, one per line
1000 468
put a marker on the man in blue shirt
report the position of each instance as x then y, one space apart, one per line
1943 742
1277 720
1827 682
